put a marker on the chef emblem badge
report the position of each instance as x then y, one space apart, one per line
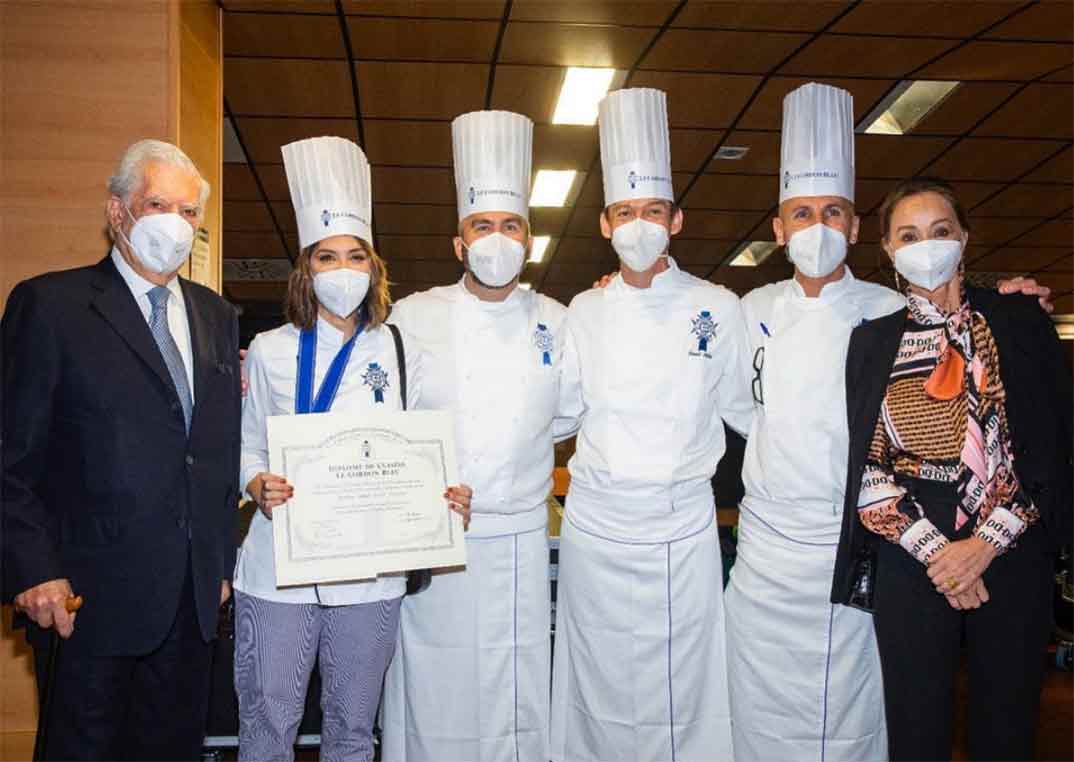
704 328
376 378
545 343
326 217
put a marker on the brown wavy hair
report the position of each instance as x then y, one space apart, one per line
914 187
300 304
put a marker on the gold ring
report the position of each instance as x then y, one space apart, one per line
952 583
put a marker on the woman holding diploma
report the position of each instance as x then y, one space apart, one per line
337 299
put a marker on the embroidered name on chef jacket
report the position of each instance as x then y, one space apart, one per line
376 378
545 343
704 328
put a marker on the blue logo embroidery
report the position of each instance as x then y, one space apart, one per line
377 379
326 217
632 178
704 327
473 194
545 343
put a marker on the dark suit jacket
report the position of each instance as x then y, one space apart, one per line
101 483
1039 410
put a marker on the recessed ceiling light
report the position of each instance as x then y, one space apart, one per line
732 153
753 253
905 106
525 286
540 245
1064 326
552 187
582 90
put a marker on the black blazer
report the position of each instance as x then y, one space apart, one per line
101 483
1040 406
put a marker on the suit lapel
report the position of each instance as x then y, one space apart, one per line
202 354
115 303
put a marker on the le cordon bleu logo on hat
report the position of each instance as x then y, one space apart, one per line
634 178
475 194
327 217
812 174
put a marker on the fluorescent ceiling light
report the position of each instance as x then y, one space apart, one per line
1064 326
552 187
905 106
582 90
753 253
525 286
540 245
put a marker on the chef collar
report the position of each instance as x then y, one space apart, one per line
661 281
829 291
513 299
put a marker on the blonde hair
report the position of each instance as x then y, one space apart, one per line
300 304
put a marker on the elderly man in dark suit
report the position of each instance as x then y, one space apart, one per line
121 407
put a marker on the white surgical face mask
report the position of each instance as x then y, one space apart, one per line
817 250
639 243
930 263
495 260
341 291
161 242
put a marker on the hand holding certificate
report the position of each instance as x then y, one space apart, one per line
368 495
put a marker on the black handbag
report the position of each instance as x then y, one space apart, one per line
416 579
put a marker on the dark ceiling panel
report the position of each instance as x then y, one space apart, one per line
1051 107
1025 200
238 184
420 90
466 9
700 100
327 7
768 15
1055 233
954 18
282 36
623 12
246 216
1059 168
414 185
1048 20
991 159
529 90
690 148
254 245
894 156
410 40
409 143
1018 61
740 52
964 108
1015 259
396 247
865 56
263 137
393 219
564 147
738 192
298 88
571 45
994 231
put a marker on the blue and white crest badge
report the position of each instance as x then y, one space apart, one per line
545 343
704 327
326 217
376 378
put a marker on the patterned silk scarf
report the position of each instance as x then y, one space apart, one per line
969 363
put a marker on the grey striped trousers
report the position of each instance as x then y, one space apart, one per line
276 646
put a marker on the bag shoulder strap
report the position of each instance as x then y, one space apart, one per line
400 361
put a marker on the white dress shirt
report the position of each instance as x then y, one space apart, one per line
661 370
487 364
271 366
177 318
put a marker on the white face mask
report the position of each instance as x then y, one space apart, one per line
639 243
341 291
495 260
817 250
930 263
161 242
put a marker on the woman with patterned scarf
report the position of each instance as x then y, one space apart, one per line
959 488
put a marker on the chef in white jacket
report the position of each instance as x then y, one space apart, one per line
470 678
640 670
805 673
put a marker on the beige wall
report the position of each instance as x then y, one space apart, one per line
79 81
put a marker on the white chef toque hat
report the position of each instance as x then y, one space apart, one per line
817 144
635 149
330 189
493 153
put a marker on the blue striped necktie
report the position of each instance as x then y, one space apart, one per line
158 326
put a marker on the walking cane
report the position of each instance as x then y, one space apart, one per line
73 604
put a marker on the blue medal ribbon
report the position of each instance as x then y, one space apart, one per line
546 355
307 360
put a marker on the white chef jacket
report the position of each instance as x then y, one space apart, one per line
796 452
497 367
661 369
178 324
272 365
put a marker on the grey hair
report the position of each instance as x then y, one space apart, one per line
129 174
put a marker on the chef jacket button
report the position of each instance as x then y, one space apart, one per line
189 459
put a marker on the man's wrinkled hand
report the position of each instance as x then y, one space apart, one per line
1029 287
46 604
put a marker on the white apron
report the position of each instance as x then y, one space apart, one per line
473 656
639 670
804 674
